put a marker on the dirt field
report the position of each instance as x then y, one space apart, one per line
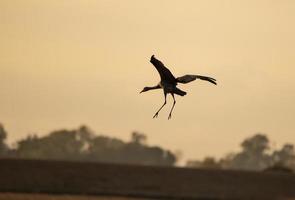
13 196
76 178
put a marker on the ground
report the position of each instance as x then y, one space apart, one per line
32 178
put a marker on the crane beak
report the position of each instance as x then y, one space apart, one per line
141 91
153 57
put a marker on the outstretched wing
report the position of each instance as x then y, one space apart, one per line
165 73
189 78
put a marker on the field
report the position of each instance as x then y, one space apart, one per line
58 180
13 196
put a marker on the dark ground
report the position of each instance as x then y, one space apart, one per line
77 178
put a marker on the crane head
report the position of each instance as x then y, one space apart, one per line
145 89
153 57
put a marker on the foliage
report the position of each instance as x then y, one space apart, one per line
255 155
208 162
83 145
3 146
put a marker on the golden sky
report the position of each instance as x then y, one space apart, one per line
64 63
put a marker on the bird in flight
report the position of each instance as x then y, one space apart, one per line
168 83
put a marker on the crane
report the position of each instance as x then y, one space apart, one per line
168 83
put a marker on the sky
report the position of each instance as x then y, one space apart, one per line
66 63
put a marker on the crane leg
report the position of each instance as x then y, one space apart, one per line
174 102
156 115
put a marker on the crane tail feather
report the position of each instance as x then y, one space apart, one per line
179 92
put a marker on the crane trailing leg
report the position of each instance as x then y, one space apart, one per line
156 115
174 102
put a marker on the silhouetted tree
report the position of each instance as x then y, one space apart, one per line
285 157
138 138
3 146
62 144
82 144
207 162
253 155
105 149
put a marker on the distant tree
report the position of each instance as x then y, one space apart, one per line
207 162
145 155
257 144
226 161
253 155
194 163
211 162
285 157
138 138
105 149
82 144
3 146
62 144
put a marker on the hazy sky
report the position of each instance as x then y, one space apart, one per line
64 63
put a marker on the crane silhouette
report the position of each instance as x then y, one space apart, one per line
168 83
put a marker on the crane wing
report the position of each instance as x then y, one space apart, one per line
189 78
164 72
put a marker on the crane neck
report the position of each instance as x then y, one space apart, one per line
154 87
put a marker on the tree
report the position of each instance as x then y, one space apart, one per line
207 162
138 138
62 144
82 144
253 155
3 146
285 157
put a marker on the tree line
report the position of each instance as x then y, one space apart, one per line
256 154
82 144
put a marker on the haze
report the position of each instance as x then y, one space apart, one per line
67 63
